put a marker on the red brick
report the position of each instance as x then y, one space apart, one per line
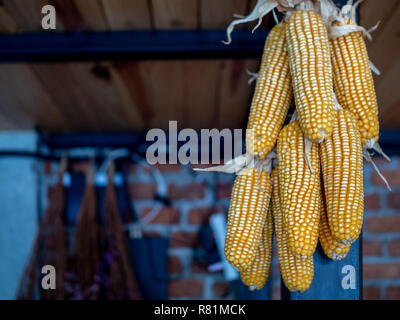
372 202
221 289
169 167
180 239
383 224
190 191
393 293
372 247
132 169
224 190
199 267
394 248
79 167
221 209
371 293
393 200
50 192
185 288
174 265
142 191
165 216
47 167
147 170
199 215
392 176
381 271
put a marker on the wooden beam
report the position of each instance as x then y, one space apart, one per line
130 45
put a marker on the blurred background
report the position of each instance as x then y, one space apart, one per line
112 70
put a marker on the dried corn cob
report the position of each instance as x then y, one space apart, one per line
342 170
247 213
332 248
299 190
311 70
297 274
257 274
353 82
272 96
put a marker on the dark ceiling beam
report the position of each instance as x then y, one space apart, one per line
130 45
48 46
389 141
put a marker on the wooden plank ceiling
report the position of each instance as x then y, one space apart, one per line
133 96
384 51
25 15
124 96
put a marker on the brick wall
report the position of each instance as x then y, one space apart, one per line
381 238
192 204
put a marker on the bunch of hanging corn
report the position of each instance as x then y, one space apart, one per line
316 57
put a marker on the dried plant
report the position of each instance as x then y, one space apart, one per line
121 281
88 243
50 247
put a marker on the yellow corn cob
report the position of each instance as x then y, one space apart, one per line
257 274
299 190
353 82
311 70
272 96
332 248
247 213
342 170
297 274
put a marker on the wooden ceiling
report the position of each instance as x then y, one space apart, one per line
384 52
125 96
133 96
25 15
